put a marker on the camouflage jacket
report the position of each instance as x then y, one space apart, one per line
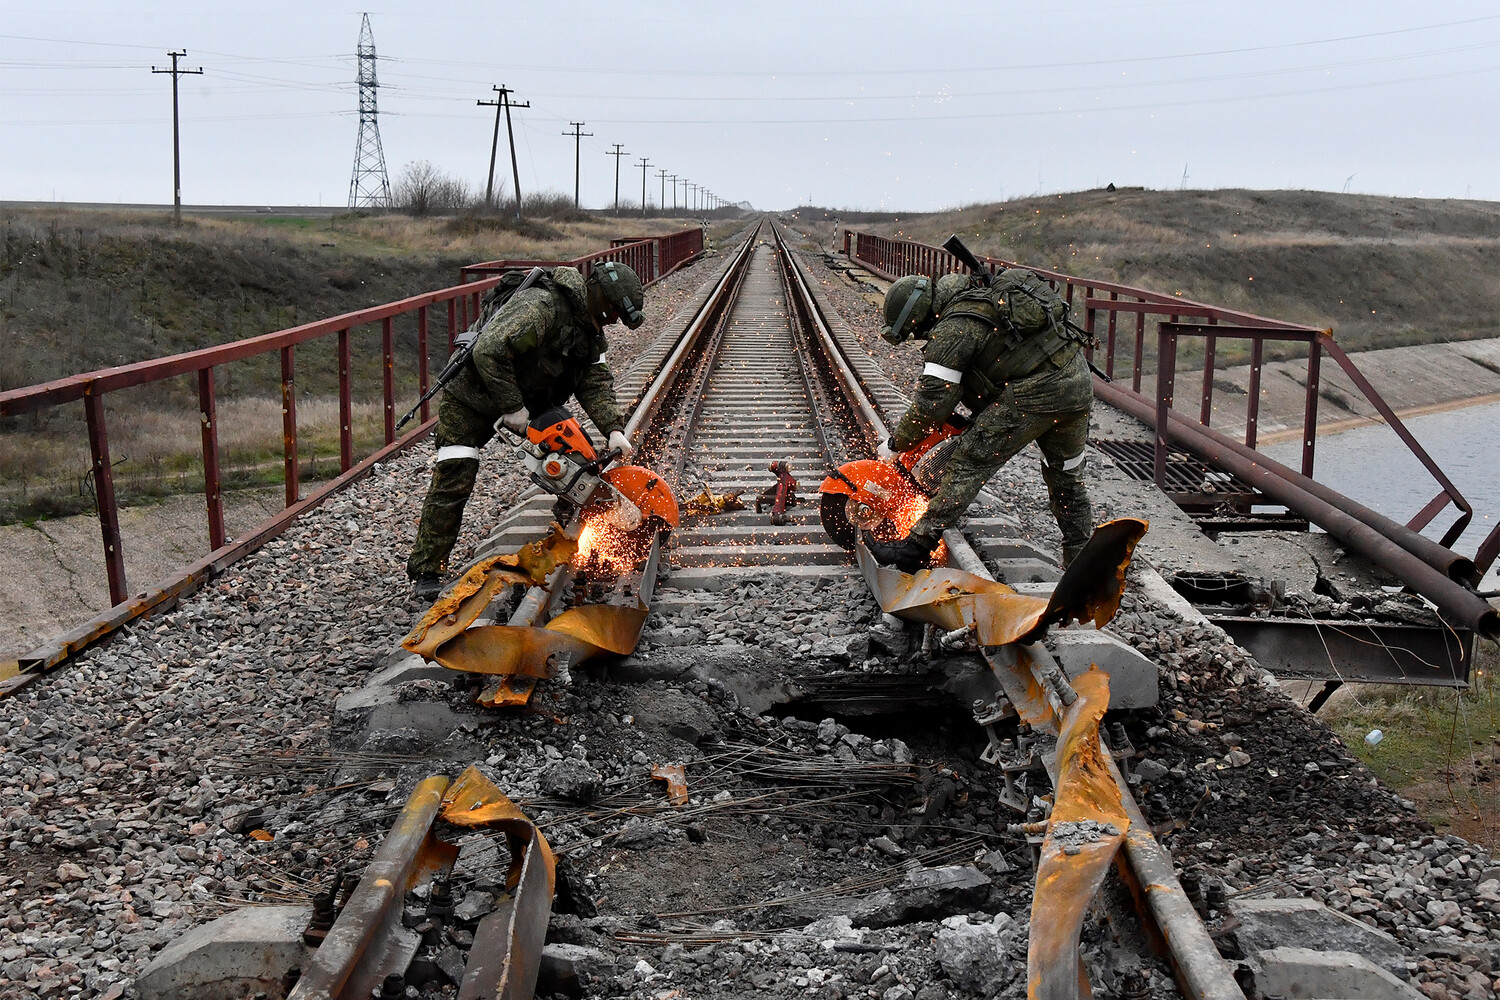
1061 384
539 349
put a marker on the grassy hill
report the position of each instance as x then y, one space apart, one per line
1382 272
81 290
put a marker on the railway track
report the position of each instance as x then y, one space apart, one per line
757 390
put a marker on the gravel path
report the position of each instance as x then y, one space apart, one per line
139 782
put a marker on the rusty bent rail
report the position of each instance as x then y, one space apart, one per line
1094 821
1430 568
368 943
459 304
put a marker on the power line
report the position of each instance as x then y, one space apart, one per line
616 153
662 173
176 132
515 171
643 165
577 135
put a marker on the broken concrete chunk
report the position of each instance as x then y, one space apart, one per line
1265 924
572 780
1305 974
926 894
982 958
244 952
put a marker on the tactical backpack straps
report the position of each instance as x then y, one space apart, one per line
510 283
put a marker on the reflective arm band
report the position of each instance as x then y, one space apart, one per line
1074 462
946 374
448 452
603 358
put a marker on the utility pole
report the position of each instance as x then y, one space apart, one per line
176 141
643 165
674 194
577 135
515 171
662 173
616 153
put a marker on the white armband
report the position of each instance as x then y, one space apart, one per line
946 374
448 452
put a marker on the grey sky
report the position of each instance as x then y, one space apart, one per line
861 105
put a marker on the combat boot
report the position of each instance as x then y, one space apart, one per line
908 555
426 586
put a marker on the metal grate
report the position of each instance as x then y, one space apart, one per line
1185 474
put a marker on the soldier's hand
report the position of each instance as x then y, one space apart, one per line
515 422
884 451
617 440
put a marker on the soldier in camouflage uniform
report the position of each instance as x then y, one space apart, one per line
543 345
1019 389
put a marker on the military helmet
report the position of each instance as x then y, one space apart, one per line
908 307
615 294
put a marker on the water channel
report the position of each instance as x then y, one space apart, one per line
1372 465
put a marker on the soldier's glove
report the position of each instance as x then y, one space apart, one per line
617 440
515 422
884 451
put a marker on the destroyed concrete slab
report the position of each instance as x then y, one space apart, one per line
427 714
1133 679
925 894
568 968
1308 974
245 952
402 666
1265 924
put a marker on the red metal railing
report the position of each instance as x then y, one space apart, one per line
651 258
92 387
1170 314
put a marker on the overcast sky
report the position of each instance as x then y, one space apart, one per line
867 105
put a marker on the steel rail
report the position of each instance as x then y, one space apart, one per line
1462 605
374 910
717 302
1197 964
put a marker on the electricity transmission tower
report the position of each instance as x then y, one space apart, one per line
176 143
369 187
643 165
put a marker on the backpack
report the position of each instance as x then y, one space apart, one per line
511 282
1027 303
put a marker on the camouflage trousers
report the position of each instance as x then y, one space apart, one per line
461 432
1001 431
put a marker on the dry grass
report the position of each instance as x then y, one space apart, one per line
155 452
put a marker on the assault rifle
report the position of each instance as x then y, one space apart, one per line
463 349
982 273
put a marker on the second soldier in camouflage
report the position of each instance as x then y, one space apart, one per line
1020 385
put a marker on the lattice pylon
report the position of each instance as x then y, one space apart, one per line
369 187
